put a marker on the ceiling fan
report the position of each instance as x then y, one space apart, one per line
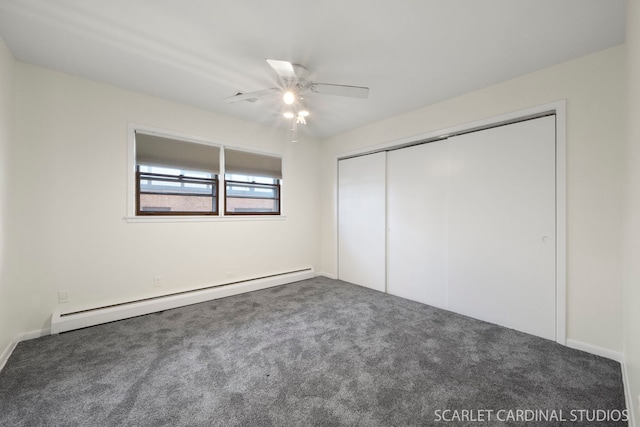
293 81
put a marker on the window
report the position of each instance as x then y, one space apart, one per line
248 195
175 192
252 183
176 177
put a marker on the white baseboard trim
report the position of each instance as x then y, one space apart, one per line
33 334
4 357
7 352
613 355
594 349
327 275
63 322
626 383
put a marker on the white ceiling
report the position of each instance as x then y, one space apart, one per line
410 53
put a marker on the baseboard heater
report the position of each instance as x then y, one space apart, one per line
63 322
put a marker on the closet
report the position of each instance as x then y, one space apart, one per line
467 224
361 221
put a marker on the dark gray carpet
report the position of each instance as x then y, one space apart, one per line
313 353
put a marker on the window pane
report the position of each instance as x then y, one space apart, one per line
175 172
249 178
252 191
175 191
156 186
176 203
246 205
251 195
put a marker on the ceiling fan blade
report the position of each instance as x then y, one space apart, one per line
252 96
340 90
283 69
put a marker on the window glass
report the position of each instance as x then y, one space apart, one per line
251 195
172 191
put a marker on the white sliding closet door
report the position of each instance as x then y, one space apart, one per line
417 223
361 220
501 233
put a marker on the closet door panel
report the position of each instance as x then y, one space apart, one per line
361 220
417 223
501 232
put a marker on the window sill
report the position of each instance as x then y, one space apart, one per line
202 218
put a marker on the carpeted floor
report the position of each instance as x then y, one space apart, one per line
313 353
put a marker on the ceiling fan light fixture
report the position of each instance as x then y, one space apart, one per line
289 97
293 82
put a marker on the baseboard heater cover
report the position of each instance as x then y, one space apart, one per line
63 322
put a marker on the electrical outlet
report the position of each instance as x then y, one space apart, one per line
63 297
157 281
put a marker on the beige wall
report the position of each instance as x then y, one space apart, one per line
70 195
8 327
632 219
594 87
